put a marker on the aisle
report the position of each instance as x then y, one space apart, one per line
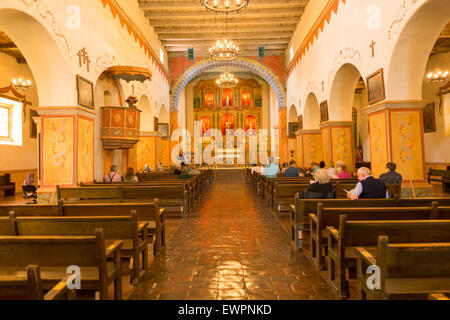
231 248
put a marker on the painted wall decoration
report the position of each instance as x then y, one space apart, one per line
197 98
378 142
342 146
407 144
324 116
227 123
429 118
258 97
250 125
85 90
375 87
85 150
58 151
293 128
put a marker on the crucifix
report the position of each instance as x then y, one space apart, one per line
84 58
372 46
132 89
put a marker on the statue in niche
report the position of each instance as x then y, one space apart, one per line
227 101
228 125
227 98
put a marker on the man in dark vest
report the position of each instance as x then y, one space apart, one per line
368 187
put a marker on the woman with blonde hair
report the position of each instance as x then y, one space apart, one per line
321 189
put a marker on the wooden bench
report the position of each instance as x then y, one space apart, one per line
145 212
351 234
303 207
7 186
439 296
29 287
55 254
134 236
330 217
444 176
408 270
6 227
169 196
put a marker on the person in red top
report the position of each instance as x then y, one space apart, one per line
343 174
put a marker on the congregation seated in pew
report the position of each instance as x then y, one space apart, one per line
292 171
321 189
113 176
130 176
391 176
368 187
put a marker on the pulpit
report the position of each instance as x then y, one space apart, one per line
121 126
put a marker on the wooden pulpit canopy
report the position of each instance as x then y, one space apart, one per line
128 73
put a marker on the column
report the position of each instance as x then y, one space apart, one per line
173 127
396 135
338 144
309 147
66 149
283 135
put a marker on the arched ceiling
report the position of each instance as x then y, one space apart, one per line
184 24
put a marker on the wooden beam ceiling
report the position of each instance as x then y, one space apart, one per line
184 24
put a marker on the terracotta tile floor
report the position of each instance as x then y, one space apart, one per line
231 248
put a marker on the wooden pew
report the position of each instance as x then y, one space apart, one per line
145 212
6 227
439 296
55 254
330 217
149 213
408 270
351 234
444 178
29 287
134 236
303 207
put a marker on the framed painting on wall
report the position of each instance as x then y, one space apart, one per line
163 128
293 128
324 111
85 90
33 126
429 118
375 87
300 122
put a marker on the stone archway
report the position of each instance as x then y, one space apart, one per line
244 63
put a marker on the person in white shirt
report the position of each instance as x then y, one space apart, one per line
331 171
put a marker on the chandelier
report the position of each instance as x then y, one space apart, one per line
224 6
224 50
21 84
437 76
227 80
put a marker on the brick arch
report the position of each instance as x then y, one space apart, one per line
244 63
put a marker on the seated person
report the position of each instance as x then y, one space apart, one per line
284 168
343 174
321 189
146 168
130 176
271 170
255 168
159 167
314 167
322 165
194 170
112 176
368 187
292 171
332 172
29 189
391 176
178 171
185 173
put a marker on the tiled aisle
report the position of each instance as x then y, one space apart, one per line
231 248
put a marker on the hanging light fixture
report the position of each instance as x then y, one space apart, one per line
437 76
20 82
224 6
227 80
224 50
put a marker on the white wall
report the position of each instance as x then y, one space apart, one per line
437 143
25 156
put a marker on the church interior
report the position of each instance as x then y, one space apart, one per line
147 147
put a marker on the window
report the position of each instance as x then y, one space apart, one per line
5 120
10 122
161 56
